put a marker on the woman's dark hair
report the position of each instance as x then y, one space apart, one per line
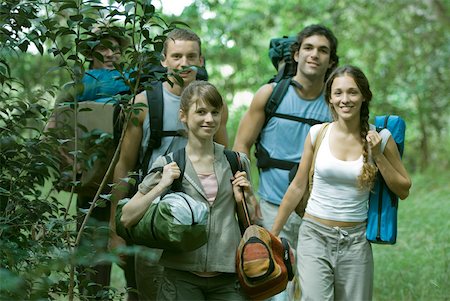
369 171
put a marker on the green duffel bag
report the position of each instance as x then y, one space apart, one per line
175 222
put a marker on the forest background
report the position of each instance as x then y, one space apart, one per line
403 46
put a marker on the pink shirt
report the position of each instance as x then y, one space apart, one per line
209 183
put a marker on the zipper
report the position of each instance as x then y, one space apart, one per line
209 233
380 208
380 192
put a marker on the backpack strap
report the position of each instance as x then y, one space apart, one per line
242 211
316 146
275 98
179 157
155 104
263 158
300 209
234 160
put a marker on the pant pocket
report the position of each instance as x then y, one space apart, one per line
167 290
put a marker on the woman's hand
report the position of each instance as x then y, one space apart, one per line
171 172
374 140
241 186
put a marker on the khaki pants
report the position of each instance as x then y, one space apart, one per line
334 263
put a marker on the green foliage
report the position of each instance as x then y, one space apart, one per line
33 236
403 46
39 246
418 266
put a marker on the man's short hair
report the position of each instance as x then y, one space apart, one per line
318 29
182 34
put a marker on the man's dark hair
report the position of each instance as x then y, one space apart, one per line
318 29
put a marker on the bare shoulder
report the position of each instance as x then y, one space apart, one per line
140 99
261 96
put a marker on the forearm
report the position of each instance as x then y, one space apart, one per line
395 180
288 204
135 209
119 191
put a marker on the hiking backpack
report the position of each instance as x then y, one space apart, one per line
155 101
383 203
280 55
93 109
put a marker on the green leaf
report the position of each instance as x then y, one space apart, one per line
76 18
24 46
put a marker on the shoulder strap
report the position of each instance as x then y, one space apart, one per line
234 160
156 110
275 98
316 146
179 156
242 211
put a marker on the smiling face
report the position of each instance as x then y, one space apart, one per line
201 108
313 57
180 54
109 48
202 120
345 98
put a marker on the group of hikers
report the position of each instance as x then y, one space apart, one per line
334 258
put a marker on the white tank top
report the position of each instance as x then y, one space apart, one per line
335 193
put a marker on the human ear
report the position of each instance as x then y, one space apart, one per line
163 61
296 54
182 115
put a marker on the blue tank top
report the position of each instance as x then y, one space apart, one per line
284 140
171 122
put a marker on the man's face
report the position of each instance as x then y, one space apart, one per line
181 54
110 50
313 57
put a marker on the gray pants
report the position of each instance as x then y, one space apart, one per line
148 273
334 263
185 286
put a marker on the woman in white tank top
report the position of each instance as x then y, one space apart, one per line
334 258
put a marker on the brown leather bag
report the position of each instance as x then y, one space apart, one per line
300 209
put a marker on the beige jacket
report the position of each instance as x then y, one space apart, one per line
218 254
